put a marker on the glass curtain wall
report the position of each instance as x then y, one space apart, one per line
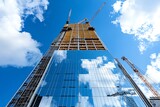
85 79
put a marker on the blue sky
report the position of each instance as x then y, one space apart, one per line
28 28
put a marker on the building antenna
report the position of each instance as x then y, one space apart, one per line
69 15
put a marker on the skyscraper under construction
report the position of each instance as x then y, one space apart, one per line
76 71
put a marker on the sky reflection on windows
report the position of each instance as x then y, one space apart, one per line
84 79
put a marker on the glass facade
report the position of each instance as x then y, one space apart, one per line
85 79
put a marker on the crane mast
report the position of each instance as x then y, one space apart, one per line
69 15
97 12
154 92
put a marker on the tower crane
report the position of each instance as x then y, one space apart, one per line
103 4
155 93
85 19
134 85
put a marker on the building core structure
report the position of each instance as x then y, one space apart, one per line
76 71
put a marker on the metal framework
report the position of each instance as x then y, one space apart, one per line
80 37
154 92
139 92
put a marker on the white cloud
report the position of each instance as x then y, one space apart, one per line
17 47
60 55
100 74
43 83
153 70
140 18
33 7
84 101
153 56
105 58
117 6
46 102
87 64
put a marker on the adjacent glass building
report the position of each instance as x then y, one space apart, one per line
77 71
